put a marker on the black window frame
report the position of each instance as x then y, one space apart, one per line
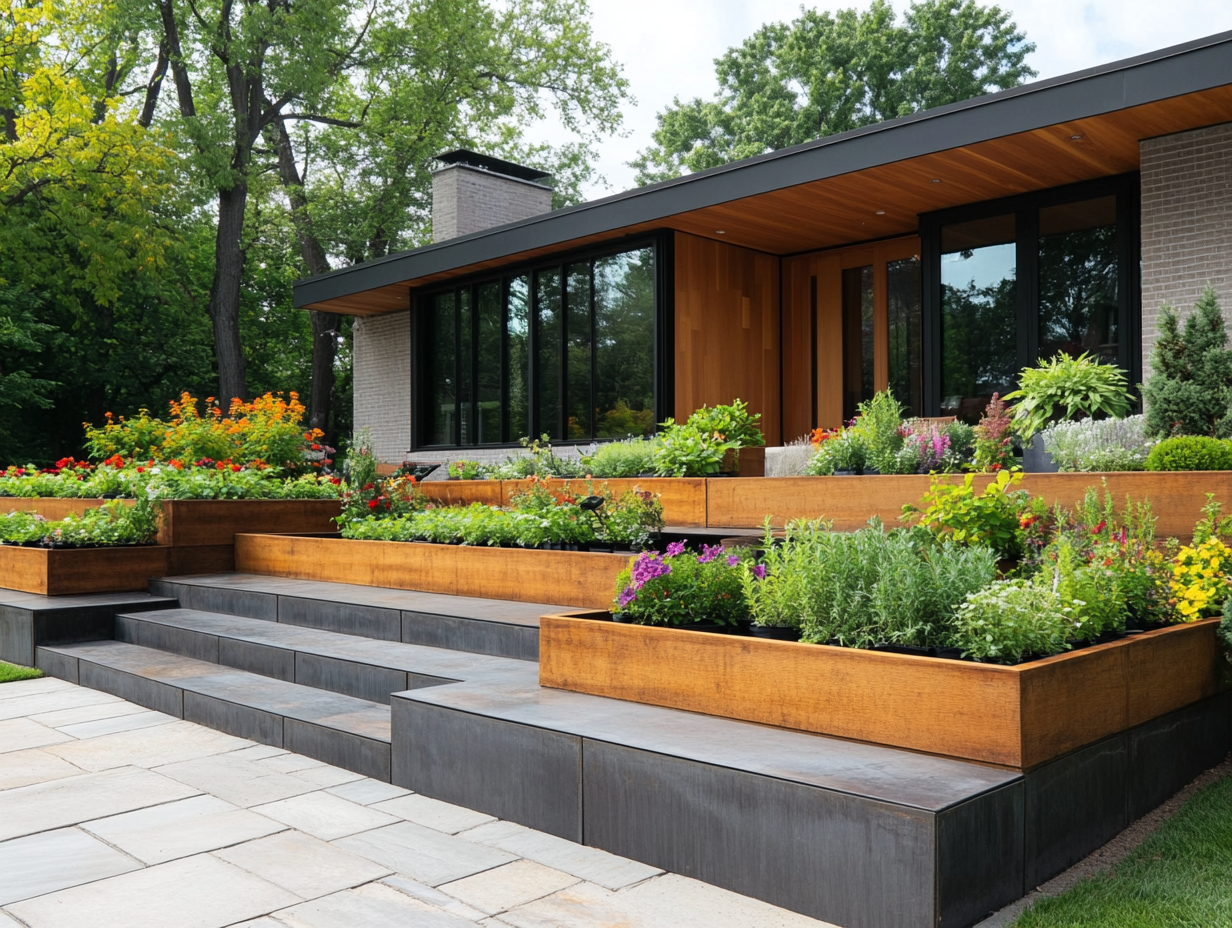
662 244
1025 208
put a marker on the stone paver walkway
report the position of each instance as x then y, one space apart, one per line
113 816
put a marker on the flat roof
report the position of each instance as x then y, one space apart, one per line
855 186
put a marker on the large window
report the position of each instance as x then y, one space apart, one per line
565 349
1019 280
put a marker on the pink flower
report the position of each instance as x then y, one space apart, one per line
759 571
732 560
675 548
709 553
646 568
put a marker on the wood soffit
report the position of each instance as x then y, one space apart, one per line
845 209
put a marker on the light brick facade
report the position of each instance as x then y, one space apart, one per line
382 358
467 199
1186 224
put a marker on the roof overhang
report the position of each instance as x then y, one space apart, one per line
861 185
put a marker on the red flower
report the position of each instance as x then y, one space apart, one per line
336 481
221 466
316 447
140 470
235 468
372 504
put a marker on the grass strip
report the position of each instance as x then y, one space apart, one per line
1180 877
11 672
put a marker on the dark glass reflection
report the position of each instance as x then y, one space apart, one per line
1078 268
466 425
904 327
624 344
857 338
489 325
443 376
519 359
979 330
548 338
577 299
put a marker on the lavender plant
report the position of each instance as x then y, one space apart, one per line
1099 444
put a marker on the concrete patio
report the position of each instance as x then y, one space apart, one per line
115 816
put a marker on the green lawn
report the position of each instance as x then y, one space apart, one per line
11 672
1180 877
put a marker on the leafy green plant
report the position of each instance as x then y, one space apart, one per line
467 470
682 588
538 461
958 513
1225 629
1067 388
734 423
843 452
1088 589
630 519
1189 391
114 523
688 451
879 426
1191 452
1009 620
631 458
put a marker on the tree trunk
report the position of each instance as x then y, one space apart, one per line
324 352
225 293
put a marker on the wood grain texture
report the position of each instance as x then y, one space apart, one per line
1176 498
727 330
218 521
51 507
463 492
563 578
683 498
60 572
1017 717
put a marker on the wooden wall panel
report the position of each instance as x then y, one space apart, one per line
727 330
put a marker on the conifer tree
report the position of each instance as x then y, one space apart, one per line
1190 388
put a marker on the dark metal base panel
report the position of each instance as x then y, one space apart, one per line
28 620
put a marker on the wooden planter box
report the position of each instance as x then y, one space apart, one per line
463 492
1018 717
52 508
1176 498
555 577
63 571
683 498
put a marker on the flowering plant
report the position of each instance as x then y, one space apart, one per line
994 437
1200 576
682 587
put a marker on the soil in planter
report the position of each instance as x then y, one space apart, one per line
904 649
776 632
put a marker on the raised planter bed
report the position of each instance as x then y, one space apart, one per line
574 578
1018 717
63 571
1176 498
51 507
683 498
463 492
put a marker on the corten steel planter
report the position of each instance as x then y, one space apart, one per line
53 508
63 571
1018 717
463 492
1176 498
576 578
683 498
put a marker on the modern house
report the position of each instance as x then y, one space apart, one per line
936 254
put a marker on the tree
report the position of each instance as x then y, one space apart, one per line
827 73
1189 391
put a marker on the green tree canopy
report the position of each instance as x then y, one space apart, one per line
824 73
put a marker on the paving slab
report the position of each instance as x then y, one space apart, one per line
434 814
50 700
327 775
433 896
22 768
502 888
367 792
196 892
148 747
54 860
107 710
586 863
44 806
374 906
109 726
182 829
423 854
303 865
325 816
33 687
241 782
22 734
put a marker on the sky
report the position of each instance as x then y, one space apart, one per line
668 47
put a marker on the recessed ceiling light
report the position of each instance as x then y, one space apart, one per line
936 180
1075 138
881 212
720 231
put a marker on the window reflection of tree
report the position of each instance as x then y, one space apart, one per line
1078 299
979 345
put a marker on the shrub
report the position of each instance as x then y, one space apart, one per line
1068 388
1099 444
631 458
1089 589
1225 629
734 423
682 587
698 447
1190 452
539 461
1010 620
467 470
929 447
956 512
993 437
845 451
878 426
1189 391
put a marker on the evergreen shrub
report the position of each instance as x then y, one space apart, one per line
1190 452
1190 388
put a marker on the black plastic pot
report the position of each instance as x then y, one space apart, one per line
905 649
712 627
600 547
949 654
775 632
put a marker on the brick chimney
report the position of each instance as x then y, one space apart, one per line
473 192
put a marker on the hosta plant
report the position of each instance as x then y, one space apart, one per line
1068 388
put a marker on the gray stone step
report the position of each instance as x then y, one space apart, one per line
461 623
28 620
361 667
340 730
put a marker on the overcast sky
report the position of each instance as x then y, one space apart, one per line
668 47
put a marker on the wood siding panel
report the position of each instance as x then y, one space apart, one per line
727 330
66 571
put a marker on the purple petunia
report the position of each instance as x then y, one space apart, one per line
646 568
676 547
709 553
759 571
732 560
627 595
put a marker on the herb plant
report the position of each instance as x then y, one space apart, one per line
1009 620
1099 444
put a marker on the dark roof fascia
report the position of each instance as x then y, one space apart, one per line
1194 66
